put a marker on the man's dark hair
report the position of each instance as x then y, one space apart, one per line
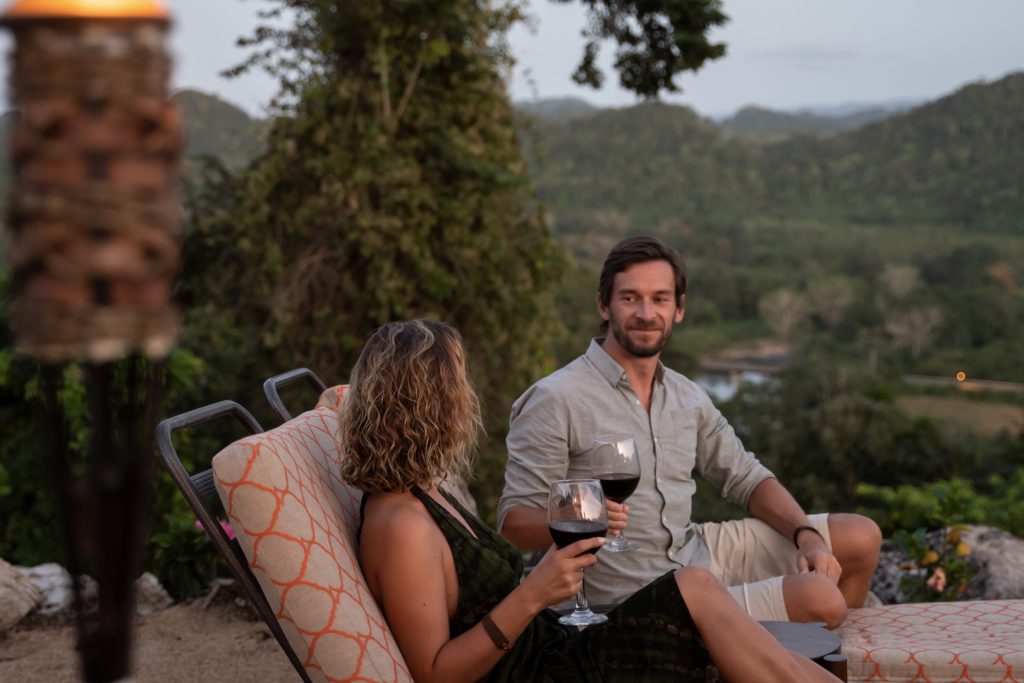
639 249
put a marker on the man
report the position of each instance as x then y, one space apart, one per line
779 565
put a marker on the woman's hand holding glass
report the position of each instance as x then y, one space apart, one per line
559 574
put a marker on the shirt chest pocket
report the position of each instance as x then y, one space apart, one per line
677 444
582 434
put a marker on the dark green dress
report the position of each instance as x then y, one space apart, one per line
649 638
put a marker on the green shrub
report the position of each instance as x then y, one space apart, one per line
948 502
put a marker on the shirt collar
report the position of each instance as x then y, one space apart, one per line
609 367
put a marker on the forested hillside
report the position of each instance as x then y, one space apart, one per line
653 166
656 165
219 129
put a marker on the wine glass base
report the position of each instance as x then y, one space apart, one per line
620 545
583 617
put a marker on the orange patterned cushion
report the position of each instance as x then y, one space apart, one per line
296 521
972 642
331 397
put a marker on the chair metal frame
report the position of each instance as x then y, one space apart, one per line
200 492
271 386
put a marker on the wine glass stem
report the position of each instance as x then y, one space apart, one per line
581 595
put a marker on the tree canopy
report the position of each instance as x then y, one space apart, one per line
656 41
393 188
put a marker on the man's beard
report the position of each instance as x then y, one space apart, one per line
653 349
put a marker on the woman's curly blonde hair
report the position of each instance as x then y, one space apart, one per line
410 415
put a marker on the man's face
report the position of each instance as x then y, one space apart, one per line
643 308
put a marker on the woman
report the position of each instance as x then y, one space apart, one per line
450 586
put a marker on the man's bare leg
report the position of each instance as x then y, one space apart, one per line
742 649
856 543
813 597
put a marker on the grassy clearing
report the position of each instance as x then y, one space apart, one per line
982 417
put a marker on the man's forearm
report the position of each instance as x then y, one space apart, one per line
527 527
775 506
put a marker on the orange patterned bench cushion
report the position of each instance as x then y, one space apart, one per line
296 521
971 642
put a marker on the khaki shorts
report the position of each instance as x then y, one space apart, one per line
750 558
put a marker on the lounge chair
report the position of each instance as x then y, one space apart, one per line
200 493
273 385
295 519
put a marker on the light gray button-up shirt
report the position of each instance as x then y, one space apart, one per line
553 427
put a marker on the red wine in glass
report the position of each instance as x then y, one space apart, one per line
618 487
567 532
616 464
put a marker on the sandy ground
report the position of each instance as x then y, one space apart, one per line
181 644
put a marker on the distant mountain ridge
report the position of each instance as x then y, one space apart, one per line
953 161
750 120
557 109
765 122
956 160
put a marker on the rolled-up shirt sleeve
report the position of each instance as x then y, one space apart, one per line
723 461
538 449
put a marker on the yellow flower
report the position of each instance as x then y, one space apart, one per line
962 549
930 557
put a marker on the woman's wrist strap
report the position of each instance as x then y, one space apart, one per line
804 527
499 639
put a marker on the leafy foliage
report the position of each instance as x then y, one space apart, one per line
957 500
393 188
656 41
823 432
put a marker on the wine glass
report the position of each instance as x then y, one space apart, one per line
616 465
576 510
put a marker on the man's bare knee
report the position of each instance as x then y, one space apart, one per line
856 540
810 597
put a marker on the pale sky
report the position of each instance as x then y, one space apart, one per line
782 54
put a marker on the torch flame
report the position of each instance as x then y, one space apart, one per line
86 9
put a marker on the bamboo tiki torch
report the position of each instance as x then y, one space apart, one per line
92 221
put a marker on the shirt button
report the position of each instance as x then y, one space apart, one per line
657 479
664 520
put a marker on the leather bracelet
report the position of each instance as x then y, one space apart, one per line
804 527
499 639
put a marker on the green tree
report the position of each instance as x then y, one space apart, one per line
393 188
656 41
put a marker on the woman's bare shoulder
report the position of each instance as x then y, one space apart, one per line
397 519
